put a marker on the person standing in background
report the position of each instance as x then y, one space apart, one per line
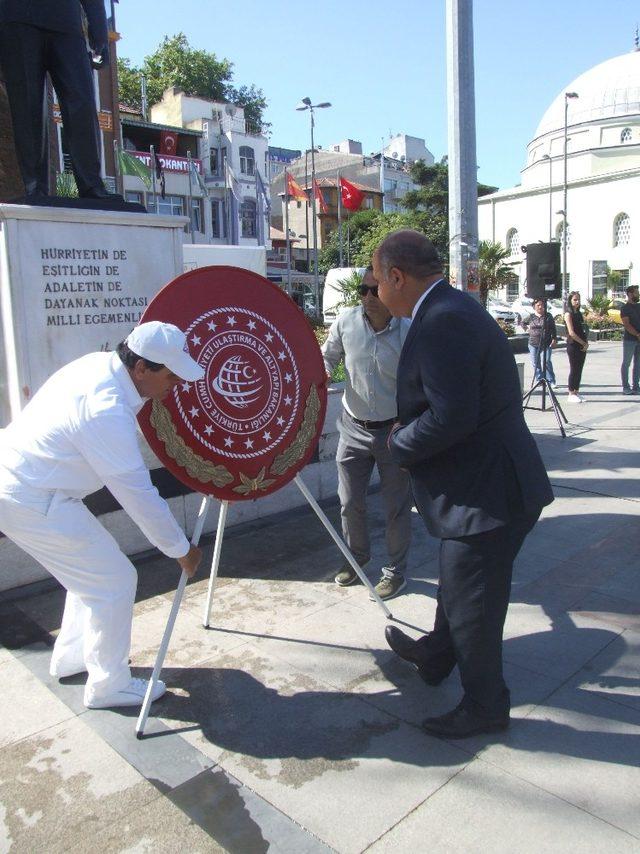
369 340
630 317
577 345
539 349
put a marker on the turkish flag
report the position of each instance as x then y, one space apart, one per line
168 142
352 197
320 198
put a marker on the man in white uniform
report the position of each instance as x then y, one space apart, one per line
77 434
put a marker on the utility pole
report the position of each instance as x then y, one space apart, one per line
463 168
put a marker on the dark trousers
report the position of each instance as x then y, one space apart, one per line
26 54
576 362
473 596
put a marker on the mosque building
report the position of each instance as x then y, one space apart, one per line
599 115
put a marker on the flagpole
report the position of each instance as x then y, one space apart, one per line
190 199
339 186
286 229
348 242
116 160
258 208
382 173
152 151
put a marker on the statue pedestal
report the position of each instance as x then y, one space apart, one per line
73 282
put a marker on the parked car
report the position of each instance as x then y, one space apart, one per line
523 307
500 311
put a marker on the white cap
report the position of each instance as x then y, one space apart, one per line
164 344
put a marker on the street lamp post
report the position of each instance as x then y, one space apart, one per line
567 96
548 157
306 104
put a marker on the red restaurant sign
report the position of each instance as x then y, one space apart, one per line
170 163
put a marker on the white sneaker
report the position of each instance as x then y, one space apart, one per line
63 669
574 398
132 695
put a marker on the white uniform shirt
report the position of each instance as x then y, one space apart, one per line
371 362
78 433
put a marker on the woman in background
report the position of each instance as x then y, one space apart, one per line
577 345
539 349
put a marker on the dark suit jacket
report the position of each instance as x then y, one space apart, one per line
59 16
474 464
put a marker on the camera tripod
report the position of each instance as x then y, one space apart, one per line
543 383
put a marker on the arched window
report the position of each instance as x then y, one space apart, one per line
513 241
621 230
560 234
625 136
248 217
247 160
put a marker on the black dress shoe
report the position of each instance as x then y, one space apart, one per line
463 723
431 670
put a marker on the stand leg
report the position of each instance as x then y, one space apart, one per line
217 549
177 599
345 551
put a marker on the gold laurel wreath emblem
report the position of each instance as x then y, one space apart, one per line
206 472
195 466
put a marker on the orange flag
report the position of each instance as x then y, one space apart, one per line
317 192
294 190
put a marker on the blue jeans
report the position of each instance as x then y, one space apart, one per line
630 353
536 363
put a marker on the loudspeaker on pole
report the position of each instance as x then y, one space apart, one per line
544 279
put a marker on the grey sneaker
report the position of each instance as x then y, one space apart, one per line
389 586
346 576
627 391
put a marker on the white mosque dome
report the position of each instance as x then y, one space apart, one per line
609 90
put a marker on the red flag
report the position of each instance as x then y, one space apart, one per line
294 190
352 197
320 198
168 142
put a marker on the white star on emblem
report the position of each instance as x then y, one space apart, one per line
287 400
268 337
195 340
212 326
251 324
249 443
193 412
281 356
280 421
231 320
266 436
186 386
228 441
208 429
288 378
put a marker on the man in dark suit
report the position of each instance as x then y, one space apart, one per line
478 480
40 36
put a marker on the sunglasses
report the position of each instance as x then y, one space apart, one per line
364 288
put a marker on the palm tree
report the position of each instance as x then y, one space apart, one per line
493 273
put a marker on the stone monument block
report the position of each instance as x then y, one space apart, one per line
73 282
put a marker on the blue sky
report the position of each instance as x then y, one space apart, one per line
383 66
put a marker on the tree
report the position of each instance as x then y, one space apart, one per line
129 84
369 227
197 72
492 272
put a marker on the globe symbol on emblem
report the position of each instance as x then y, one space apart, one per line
237 382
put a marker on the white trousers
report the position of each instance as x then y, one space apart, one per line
62 535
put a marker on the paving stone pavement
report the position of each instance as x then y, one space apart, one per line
289 726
